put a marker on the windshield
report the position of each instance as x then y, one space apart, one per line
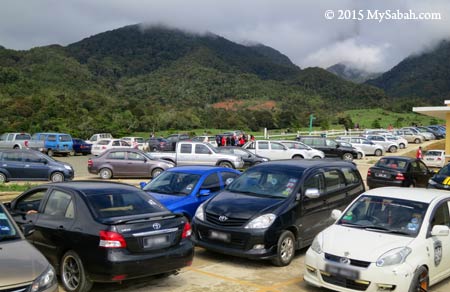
385 215
265 182
7 229
173 183
445 170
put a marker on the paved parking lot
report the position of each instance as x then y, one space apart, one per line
216 272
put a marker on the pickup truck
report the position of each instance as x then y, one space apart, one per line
199 153
14 140
276 150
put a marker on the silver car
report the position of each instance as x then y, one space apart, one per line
22 266
388 145
367 146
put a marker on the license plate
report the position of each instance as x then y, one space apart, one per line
430 158
342 271
219 236
384 175
155 241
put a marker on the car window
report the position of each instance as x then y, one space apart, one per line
227 175
12 156
277 146
57 204
115 143
7 229
32 201
315 182
125 144
331 143
351 177
211 183
65 138
23 137
135 156
391 163
31 157
103 142
251 145
263 145
186 148
201 149
333 180
51 138
117 155
441 216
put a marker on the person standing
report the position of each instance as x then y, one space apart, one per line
419 153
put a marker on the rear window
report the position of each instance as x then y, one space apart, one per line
120 202
23 137
391 163
103 142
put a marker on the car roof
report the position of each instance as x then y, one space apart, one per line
88 186
411 194
306 163
200 169
400 158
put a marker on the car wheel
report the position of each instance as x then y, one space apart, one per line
417 141
347 156
105 173
393 149
317 157
72 153
285 249
420 280
402 146
154 149
57 177
73 275
378 152
2 178
297 157
156 172
225 164
359 156
16 147
50 152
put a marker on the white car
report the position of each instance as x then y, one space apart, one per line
310 153
136 142
103 145
434 158
367 146
402 142
98 137
388 239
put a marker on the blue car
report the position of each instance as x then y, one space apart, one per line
182 189
81 146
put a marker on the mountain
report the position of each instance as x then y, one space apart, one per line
135 79
424 77
350 73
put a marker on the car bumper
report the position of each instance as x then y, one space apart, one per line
122 266
375 183
242 242
368 279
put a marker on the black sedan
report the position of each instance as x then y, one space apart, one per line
441 180
81 147
249 158
103 232
400 171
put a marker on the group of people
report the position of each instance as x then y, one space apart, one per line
234 140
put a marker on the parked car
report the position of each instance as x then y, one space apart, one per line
103 232
410 136
175 138
441 180
330 147
437 134
22 266
276 150
440 130
157 144
389 146
434 158
81 147
359 150
389 239
399 171
126 162
427 135
98 137
182 189
311 153
367 146
14 140
103 145
402 142
248 157
54 143
207 139
135 142
275 208
27 164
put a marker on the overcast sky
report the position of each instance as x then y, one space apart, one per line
298 28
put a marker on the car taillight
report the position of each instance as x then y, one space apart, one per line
187 231
399 176
90 163
103 147
111 239
369 173
26 143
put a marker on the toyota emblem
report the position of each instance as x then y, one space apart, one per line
223 218
156 226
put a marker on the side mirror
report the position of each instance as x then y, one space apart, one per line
312 193
142 184
43 160
336 214
440 230
204 192
27 229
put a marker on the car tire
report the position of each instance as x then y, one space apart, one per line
156 172
3 178
73 275
16 147
297 157
417 141
317 157
347 156
50 152
72 153
420 280
378 152
225 164
105 173
285 249
154 149
392 149
57 177
359 156
402 146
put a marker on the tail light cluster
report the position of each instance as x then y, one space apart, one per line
110 239
399 176
369 173
187 231
25 143
90 163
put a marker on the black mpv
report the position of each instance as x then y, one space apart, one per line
275 208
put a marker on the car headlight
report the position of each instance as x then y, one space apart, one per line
200 213
44 281
431 182
265 159
316 245
260 222
395 256
68 167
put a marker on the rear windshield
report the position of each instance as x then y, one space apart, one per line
391 163
120 202
23 137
